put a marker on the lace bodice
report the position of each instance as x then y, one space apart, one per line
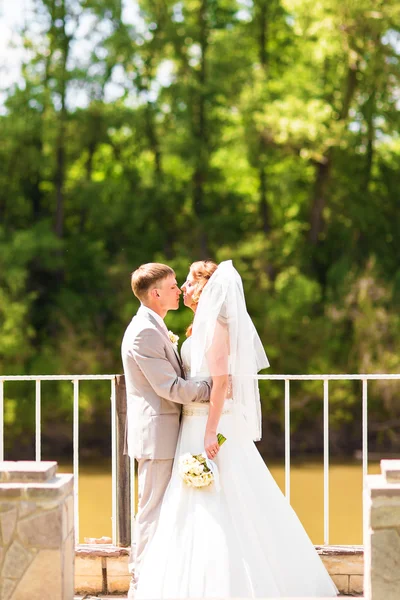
195 408
185 355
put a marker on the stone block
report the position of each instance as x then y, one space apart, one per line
64 521
8 520
342 583
117 567
88 585
118 577
356 584
25 509
118 584
88 566
344 565
35 563
16 560
70 502
385 564
68 567
68 516
42 580
47 503
42 530
88 574
6 588
385 511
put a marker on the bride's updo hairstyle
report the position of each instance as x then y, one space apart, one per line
201 271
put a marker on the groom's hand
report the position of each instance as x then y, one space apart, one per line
204 391
211 445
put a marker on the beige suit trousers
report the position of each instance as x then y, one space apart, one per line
153 479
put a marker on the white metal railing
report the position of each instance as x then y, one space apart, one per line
364 378
75 379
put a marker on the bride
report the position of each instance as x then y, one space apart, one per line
239 538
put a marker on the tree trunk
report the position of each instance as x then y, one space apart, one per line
262 169
263 35
36 194
324 167
60 147
264 207
162 211
319 199
370 111
200 132
59 227
154 142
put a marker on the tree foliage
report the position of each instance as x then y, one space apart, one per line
262 131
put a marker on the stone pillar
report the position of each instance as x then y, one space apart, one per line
37 545
382 533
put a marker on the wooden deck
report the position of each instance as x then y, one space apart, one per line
113 597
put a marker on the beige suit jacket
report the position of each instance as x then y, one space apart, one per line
155 389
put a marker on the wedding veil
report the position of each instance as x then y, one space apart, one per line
225 342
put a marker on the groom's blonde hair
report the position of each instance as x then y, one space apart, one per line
148 276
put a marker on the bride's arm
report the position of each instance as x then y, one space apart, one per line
217 399
217 358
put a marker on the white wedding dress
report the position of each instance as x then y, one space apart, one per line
241 541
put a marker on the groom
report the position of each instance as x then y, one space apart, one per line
156 390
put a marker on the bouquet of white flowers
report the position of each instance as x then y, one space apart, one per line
197 470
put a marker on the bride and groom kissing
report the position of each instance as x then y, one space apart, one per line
240 538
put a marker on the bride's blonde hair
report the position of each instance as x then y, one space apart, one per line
201 271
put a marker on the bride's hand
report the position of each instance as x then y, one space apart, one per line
211 445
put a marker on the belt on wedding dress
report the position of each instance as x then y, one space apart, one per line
202 411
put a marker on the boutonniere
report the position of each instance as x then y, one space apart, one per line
174 338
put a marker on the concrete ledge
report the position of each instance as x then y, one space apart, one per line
23 471
391 470
340 550
103 568
104 550
57 487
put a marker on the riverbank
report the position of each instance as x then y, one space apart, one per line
307 498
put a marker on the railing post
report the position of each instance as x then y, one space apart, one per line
365 427
123 468
287 439
38 434
1 420
75 456
326 462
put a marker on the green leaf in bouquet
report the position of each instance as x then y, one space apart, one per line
221 438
